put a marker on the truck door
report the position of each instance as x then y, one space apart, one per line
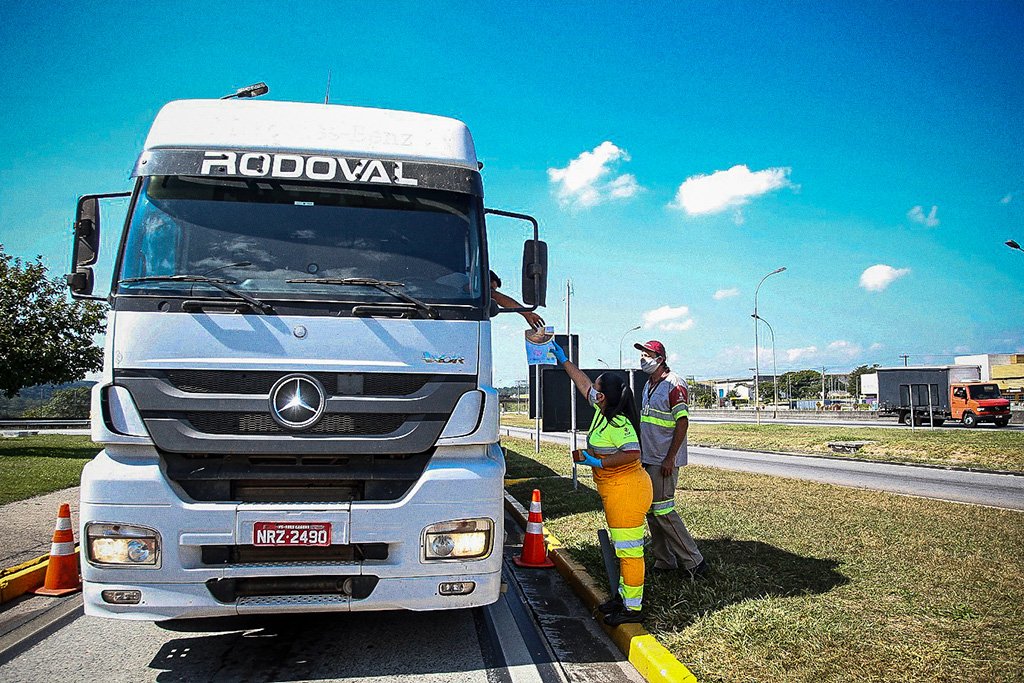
957 401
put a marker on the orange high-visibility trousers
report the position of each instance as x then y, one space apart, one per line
627 497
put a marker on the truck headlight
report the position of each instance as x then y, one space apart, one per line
122 545
462 539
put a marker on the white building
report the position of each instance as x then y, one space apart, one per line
985 361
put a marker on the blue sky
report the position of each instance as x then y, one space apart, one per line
836 120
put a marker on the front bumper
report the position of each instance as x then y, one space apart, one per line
125 485
162 601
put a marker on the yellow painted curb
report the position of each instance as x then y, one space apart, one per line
27 576
651 659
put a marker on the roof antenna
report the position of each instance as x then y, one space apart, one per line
327 95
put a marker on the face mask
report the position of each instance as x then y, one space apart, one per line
649 365
592 395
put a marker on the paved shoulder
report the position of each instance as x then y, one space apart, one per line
27 527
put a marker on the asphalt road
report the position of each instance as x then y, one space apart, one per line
537 632
884 423
980 488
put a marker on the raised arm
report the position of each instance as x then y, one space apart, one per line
581 381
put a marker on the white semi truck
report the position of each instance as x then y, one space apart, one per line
296 405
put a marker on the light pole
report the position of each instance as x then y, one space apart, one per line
775 372
632 329
1013 245
604 362
757 364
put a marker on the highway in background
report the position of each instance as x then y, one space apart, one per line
783 419
980 488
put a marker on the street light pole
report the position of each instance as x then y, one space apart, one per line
1013 245
632 329
775 373
572 389
604 362
757 364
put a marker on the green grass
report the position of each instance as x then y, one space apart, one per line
982 448
516 420
34 465
813 582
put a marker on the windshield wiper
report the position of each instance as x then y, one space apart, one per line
383 285
219 283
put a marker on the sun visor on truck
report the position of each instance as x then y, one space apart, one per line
330 168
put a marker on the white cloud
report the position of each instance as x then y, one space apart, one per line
721 190
584 181
624 187
962 349
800 353
875 347
917 215
668 318
878 277
1007 199
726 293
844 348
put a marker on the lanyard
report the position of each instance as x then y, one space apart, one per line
649 393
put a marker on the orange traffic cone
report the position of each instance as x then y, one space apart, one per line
62 571
535 553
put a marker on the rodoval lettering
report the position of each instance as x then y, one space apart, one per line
319 167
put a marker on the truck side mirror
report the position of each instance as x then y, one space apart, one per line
535 272
86 247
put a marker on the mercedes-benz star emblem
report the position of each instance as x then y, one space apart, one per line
297 401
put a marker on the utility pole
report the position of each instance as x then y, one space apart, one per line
823 388
904 357
572 388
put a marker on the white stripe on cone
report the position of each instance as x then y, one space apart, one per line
534 507
534 528
66 548
63 524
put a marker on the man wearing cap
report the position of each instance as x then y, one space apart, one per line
664 420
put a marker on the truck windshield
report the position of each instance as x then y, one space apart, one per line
260 234
983 391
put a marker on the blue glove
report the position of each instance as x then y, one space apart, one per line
588 459
559 353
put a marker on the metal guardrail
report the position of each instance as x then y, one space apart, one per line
44 424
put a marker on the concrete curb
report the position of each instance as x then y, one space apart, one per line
649 657
25 577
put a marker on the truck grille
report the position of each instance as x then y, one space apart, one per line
260 383
262 423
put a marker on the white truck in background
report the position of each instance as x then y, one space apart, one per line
296 405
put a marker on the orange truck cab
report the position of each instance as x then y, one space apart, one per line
975 402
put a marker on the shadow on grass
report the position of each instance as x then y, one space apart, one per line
559 500
739 571
84 451
519 466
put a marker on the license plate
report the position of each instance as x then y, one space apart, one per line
291 533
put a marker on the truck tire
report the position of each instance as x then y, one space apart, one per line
970 419
902 418
1002 422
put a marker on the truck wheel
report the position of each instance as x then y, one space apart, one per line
1002 422
970 420
902 418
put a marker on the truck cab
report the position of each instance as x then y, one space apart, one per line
976 402
296 406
